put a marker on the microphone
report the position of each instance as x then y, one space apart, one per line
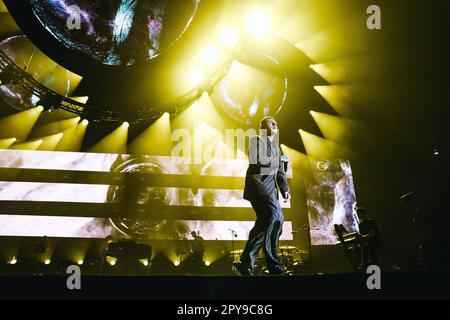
285 160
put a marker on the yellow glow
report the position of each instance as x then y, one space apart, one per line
80 262
209 55
3 7
259 23
52 128
156 140
340 97
297 158
19 125
51 142
111 260
6 143
48 261
202 110
116 142
228 37
82 100
207 263
318 148
176 263
331 72
13 261
72 139
145 262
336 128
32 145
196 77
126 125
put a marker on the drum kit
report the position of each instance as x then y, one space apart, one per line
295 260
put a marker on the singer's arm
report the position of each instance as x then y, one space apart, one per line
282 181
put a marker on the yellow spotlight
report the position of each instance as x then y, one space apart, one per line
115 142
340 97
205 95
111 260
207 263
85 122
176 263
196 106
259 23
160 135
209 55
72 139
51 142
33 145
80 262
228 37
53 128
40 108
144 262
297 158
6 143
331 72
318 147
196 77
47 262
19 125
13 261
82 100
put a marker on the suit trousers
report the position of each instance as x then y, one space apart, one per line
266 232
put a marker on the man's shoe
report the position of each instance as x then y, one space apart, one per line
242 269
278 270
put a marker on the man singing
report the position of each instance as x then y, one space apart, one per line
266 171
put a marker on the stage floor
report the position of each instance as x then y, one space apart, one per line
398 285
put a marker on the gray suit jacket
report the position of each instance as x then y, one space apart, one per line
265 170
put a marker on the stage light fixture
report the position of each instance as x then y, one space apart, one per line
13 261
111 260
80 262
145 262
50 102
85 122
126 125
10 75
47 262
207 263
176 263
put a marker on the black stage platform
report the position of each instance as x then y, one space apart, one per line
398 285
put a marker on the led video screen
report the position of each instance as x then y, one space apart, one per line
36 166
331 199
116 32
